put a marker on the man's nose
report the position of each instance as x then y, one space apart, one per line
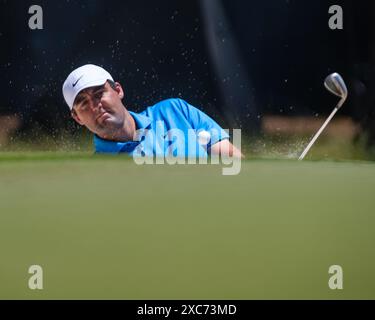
96 105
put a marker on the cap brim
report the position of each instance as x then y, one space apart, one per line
95 83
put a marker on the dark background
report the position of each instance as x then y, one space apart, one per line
271 57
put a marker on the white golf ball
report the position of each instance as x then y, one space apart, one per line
204 137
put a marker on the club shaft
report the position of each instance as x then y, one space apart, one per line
319 132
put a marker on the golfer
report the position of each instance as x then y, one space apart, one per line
95 101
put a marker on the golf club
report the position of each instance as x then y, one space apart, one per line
336 85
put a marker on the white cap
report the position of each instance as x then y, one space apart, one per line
84 77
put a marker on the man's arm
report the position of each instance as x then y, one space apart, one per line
227 148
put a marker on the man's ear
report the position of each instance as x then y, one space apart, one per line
119 90
76 117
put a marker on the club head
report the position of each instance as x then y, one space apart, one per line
336 85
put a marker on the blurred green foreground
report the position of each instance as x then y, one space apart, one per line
105 228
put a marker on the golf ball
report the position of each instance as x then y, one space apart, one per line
204 137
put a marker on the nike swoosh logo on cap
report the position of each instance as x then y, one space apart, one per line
75 83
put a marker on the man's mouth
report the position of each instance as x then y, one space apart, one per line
102 117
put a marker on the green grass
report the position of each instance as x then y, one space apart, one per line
105 228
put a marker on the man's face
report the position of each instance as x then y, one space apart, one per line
100 109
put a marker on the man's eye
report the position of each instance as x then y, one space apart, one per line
99 95
83 106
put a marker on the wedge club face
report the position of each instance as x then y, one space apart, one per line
336 85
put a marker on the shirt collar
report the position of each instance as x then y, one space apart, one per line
141 121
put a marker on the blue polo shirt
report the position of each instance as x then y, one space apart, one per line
170 127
